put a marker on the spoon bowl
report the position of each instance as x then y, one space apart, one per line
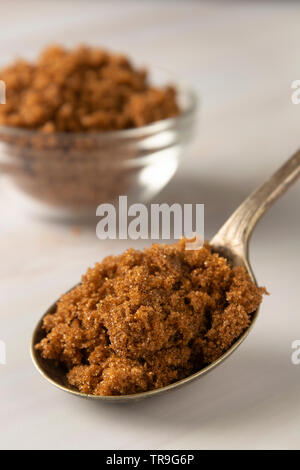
231 242
56 374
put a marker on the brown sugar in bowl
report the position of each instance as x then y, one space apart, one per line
64 155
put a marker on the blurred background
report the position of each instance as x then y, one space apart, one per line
241 58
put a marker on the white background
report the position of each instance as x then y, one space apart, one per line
241 57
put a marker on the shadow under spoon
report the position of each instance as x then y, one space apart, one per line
232 242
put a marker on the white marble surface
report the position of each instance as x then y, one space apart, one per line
242 58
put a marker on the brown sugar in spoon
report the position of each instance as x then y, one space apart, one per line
232 242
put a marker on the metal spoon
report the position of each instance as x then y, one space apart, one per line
231 241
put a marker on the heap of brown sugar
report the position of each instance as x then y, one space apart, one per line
145 319
85 89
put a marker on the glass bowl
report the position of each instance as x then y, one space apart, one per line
65 175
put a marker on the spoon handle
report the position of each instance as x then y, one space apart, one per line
237 229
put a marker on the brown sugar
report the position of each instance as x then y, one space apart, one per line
58 127
145 319
82 90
